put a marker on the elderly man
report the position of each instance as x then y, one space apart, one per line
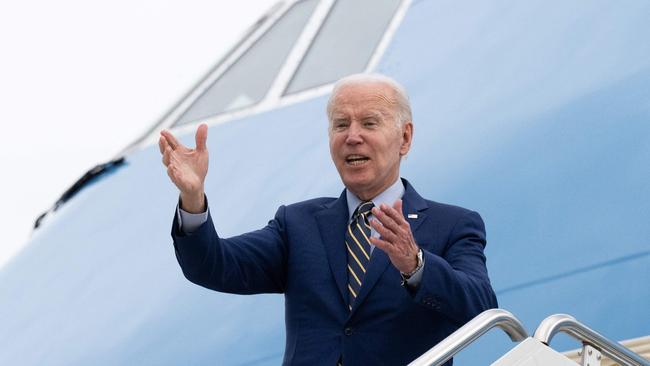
376 276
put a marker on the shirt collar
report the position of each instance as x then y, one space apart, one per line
389 196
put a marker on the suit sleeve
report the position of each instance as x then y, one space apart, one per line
251 263
456 283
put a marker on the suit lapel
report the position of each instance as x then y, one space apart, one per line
332 221
412 204
413 207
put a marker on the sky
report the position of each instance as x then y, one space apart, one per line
80 80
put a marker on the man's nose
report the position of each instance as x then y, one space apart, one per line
354 135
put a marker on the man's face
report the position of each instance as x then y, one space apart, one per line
366 141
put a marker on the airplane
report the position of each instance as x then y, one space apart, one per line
536 114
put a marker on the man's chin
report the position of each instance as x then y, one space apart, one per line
361 188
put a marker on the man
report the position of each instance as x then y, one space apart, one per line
375 277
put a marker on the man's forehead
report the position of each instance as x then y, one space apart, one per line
359 94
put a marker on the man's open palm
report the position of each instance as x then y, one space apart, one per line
186 167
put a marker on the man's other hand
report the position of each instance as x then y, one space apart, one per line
396 236
187 167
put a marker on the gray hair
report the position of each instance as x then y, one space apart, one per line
403 109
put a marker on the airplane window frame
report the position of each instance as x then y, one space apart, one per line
275 97
321 47
236 88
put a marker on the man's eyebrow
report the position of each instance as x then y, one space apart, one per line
379 113
371 114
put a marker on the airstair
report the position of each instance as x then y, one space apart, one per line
534 351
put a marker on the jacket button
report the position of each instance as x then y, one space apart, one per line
348 331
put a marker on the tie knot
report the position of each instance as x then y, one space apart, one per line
363 209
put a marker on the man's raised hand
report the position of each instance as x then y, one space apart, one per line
187 167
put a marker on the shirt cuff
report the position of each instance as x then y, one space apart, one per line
189 222
414 281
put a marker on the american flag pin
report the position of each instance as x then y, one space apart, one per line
412 216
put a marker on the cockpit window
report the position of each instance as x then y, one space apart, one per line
312 44
248 80
345 43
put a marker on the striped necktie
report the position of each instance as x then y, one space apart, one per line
357 241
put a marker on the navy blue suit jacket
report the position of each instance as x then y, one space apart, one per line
301 253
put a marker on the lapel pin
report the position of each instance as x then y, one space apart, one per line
412 216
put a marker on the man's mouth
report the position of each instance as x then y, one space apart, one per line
356 159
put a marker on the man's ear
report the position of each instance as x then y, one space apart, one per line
407 138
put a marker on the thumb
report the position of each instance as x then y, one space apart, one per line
201 137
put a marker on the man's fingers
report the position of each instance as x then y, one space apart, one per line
383 245
162 144
201 137
165 150
167 155
395 213
171 140
385 233
398 207
175 174
380 214
176 158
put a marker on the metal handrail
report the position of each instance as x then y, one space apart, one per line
471 331
564 323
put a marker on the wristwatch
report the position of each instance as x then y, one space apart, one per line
407 276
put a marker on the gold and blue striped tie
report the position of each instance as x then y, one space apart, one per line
357 242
